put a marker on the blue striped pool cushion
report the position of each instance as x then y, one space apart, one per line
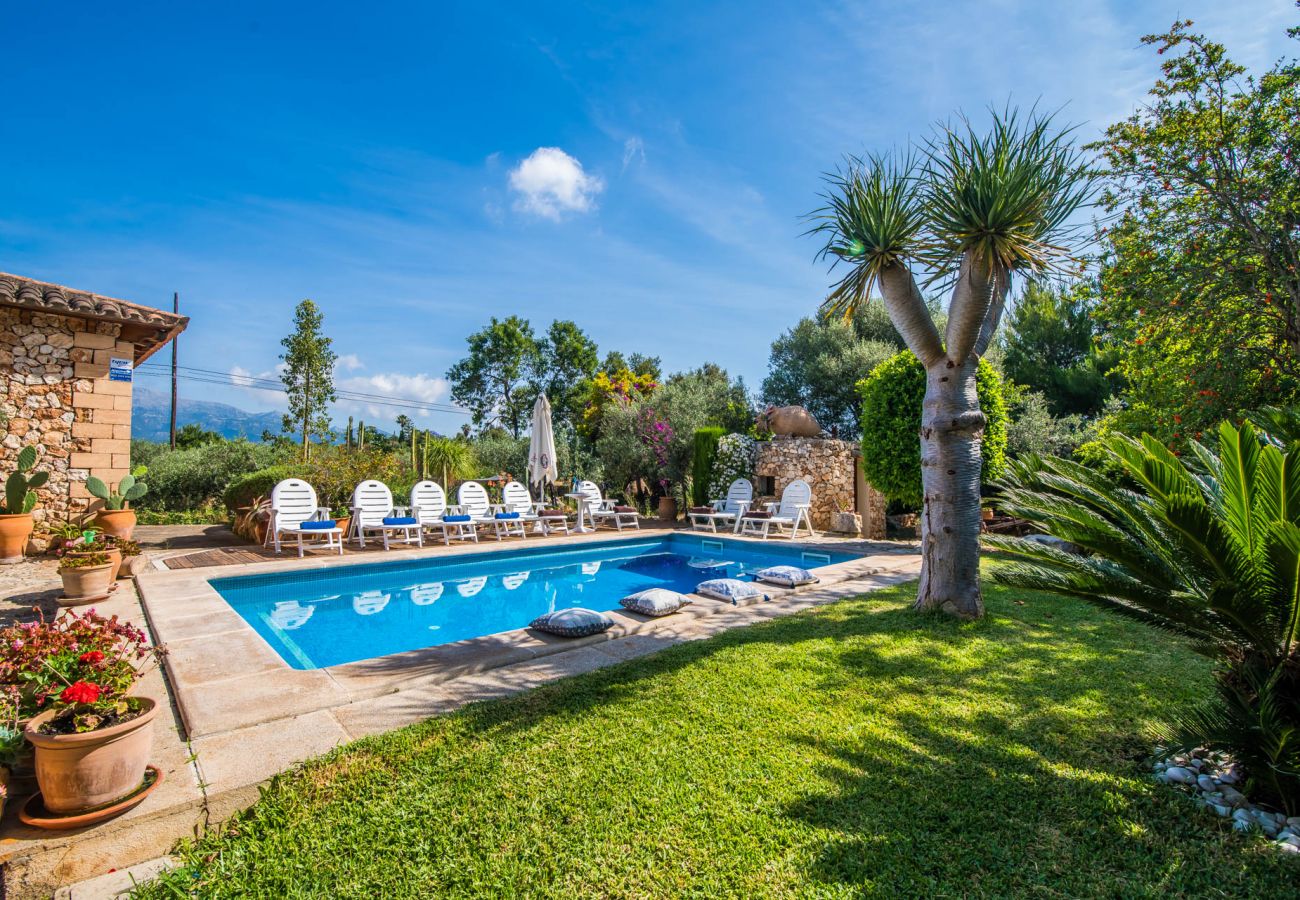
457 518
400 520
319 525
507 515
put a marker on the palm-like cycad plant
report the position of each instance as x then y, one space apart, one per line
977 209
1208 549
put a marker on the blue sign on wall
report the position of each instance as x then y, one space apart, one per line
119 369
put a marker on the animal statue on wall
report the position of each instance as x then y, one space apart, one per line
788 421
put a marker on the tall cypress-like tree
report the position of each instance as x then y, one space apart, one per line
308 376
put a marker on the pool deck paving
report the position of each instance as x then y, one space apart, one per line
238 715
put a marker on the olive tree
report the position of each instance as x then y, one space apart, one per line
970 210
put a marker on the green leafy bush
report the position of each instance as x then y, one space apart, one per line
188 479
1208 550
891 423
244 489
703 454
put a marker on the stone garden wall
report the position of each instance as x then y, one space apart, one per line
830 468
55 395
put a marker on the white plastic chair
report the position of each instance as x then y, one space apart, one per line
372 503
739 496
472 500
515 499
293 502
603 509
796 500
429 506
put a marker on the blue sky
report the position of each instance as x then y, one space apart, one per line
639 168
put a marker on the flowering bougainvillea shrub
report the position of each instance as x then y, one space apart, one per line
75 659
737 455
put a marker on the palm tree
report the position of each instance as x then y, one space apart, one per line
975 209
451 458
1209 550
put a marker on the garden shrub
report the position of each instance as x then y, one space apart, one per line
892 396
704 451
736 457
242 491
498 452
189 479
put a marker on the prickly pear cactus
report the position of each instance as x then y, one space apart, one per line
129 489
19 486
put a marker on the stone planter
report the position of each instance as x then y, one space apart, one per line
116 522
81 771
85 584
14 533
846 523
668 509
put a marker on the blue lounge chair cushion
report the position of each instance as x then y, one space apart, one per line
789 576
573 622
460 517
318 525
507 515
654 602
729 589
400 520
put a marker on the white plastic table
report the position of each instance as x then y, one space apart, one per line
583 501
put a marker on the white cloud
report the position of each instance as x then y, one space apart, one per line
348 362
633 149
392 385
550 182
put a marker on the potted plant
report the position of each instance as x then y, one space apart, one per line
16 523
73 677
133 559
91 542
342 518
117 518
85 577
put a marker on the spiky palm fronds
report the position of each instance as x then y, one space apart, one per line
1004 198
1208 549
873 219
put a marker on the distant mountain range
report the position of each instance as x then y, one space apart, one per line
151 417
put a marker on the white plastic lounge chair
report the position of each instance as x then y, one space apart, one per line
739 496
293 506
373 513
429 506
606 510
472 500
517 498
796 500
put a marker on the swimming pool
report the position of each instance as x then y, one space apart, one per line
326 617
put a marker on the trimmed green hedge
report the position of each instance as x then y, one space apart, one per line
243 490
703 454
892 396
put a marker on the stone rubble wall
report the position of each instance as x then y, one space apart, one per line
56 396
830 467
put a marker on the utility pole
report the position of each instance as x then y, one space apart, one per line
176 309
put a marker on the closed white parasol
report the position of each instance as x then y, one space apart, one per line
541 447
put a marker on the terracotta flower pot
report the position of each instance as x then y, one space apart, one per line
986 513
85 584
134 565
116 522
114 558
14 532
668 509
81 771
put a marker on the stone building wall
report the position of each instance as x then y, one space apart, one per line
830 467
56 396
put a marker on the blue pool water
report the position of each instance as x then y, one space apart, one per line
327 617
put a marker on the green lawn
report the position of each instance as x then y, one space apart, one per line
856 749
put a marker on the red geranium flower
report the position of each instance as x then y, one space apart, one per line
80 692
92 656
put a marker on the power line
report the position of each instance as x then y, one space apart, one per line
225 379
